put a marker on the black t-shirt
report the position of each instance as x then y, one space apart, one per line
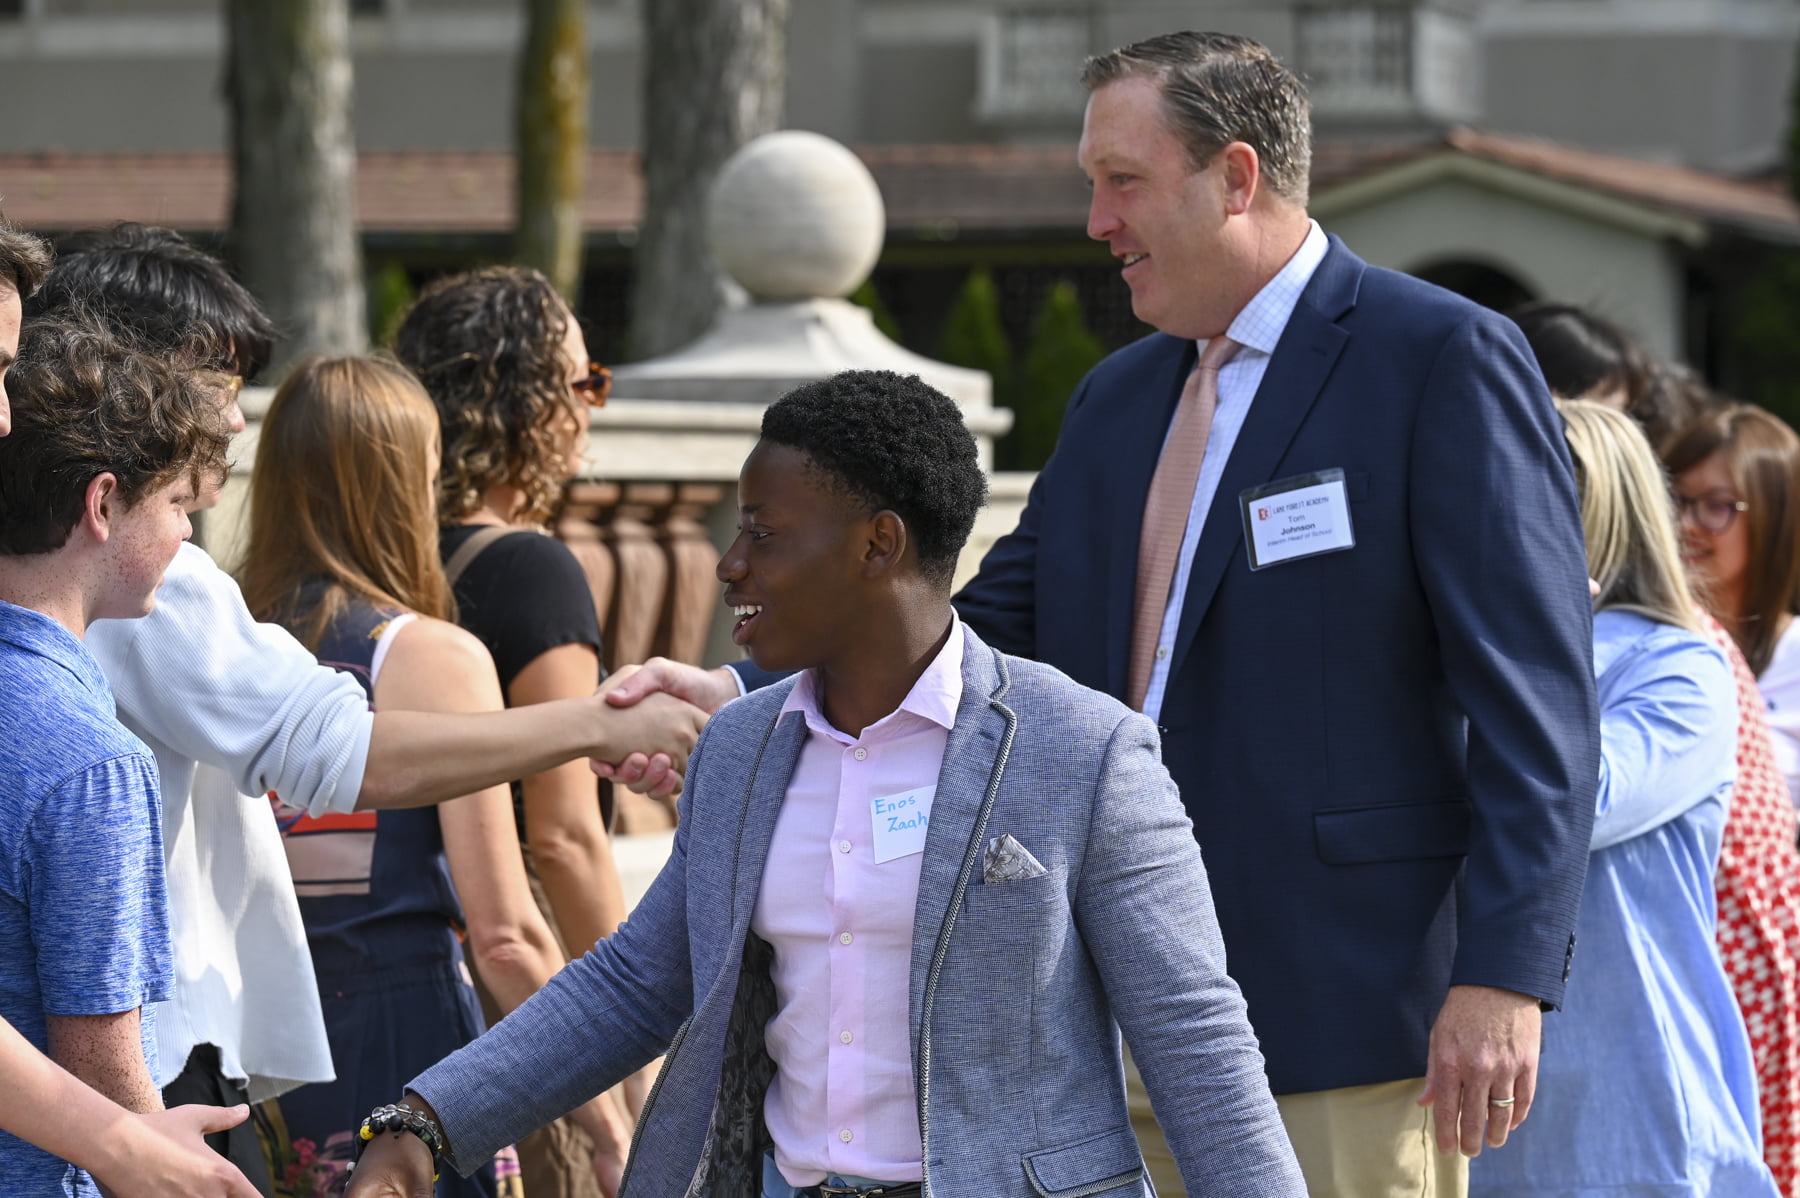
522 596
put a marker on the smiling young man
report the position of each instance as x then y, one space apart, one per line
913 888
108 446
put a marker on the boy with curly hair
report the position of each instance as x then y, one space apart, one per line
108 445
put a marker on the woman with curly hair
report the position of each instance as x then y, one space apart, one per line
506 365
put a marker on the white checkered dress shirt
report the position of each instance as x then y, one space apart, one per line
1257 328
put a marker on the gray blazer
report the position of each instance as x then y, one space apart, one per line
1016 986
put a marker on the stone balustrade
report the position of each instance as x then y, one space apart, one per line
654 507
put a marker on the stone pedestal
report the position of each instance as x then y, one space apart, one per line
759 352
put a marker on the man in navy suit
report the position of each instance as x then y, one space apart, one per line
1378 704
1369 651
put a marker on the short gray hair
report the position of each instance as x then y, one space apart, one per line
1218 88
24 259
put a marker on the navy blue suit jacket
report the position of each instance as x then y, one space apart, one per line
1389 753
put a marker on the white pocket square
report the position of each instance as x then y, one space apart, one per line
1009 861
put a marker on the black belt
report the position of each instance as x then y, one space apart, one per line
910 1189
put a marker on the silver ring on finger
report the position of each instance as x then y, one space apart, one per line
1501 1102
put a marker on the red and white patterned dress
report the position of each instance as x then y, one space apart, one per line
1759 921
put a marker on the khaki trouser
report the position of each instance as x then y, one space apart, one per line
1358 1142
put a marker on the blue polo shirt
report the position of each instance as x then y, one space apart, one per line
84 924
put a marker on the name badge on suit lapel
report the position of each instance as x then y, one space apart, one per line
1298 517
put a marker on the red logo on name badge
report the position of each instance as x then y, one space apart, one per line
1262 513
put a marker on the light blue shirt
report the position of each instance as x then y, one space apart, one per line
83 913
1646 1084
1257 329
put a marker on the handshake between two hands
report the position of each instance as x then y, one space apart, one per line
655 713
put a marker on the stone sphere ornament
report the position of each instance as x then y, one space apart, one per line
797 221
794 215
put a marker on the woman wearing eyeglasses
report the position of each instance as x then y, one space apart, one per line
1735 491
506 365
1758 875
1736 472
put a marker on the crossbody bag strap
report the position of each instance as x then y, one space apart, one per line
469 550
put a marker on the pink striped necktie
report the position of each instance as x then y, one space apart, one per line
1166 510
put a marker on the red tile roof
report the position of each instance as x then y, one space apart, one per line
929 190
948 188
395 192
1751 204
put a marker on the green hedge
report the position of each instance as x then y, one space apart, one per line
1035 384
1062 351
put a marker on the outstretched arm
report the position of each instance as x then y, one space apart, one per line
417 758
158 1155
201 675
602 1017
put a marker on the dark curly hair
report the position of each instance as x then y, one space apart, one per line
157 285
24 259
895 443
87 402
488 347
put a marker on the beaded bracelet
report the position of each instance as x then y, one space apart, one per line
396 1118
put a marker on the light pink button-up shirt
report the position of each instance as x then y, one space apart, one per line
841 923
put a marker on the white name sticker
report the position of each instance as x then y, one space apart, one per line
899 823
1297 517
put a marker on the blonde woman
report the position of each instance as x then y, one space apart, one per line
343 552
1646 1084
